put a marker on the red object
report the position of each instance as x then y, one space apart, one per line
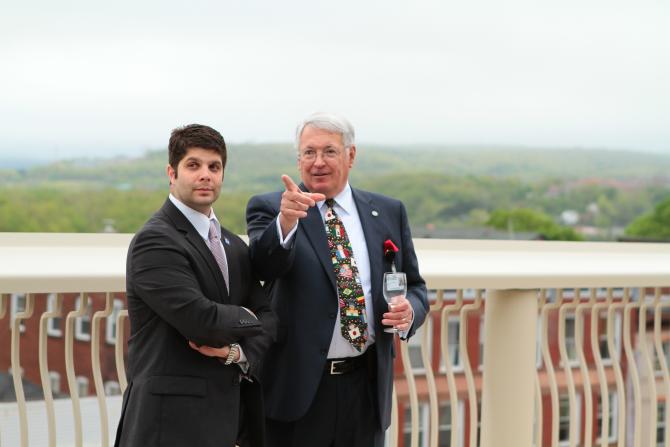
389 248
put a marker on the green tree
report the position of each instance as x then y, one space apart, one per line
525 219
654 225
53 210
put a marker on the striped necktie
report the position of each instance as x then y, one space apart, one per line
217 249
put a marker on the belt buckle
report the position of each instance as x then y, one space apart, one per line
332 367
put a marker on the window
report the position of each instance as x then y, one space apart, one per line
564 419
444 425
570 342
479 423
110 334
54 380
538 343
54 325
602 336
613 418
665 345
112 388
469 294
17 305
453 347
660 424
82 386
414 348
424 418
82 325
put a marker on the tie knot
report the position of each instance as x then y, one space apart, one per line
330 203
213 231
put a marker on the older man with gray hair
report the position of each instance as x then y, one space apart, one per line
322 248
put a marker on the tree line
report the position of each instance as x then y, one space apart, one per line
434 201
443 188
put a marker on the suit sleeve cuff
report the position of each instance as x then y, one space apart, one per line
403 334
285 242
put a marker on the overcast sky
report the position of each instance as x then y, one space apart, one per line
94 78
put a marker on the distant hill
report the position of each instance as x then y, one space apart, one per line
20 162
257 167
446 190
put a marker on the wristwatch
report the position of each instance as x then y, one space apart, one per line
233 353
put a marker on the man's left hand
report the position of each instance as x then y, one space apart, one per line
400 314
221 352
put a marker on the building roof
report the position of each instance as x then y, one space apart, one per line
30 390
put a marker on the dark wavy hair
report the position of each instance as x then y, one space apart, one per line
194 135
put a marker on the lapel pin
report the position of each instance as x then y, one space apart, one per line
225 239
375 213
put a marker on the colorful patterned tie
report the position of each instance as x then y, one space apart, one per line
217 250
351 299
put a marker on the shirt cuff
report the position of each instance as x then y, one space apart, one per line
250 312
242 362
285 241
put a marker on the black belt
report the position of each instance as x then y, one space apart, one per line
346 365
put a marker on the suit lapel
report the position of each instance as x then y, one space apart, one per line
314 229
195 240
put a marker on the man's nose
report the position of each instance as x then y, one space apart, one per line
204 174
320 158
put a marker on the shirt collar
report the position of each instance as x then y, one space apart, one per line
345 200
199 221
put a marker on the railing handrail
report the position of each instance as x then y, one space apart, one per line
36 263
495 264
64 262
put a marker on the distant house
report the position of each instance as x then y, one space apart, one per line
55 332
31 390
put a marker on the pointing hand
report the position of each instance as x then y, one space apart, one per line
294 204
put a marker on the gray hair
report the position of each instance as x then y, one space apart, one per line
331 122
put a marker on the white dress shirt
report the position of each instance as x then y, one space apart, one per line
345 208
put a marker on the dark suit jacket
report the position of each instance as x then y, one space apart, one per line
303 291
176 293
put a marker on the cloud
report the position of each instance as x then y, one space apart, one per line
121 75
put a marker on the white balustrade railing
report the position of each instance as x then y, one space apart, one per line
574 339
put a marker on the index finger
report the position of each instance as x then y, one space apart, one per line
289 183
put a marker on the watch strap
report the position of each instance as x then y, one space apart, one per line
233 353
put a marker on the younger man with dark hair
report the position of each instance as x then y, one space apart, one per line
199 319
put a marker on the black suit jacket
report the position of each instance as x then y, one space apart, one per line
176 293
303 291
